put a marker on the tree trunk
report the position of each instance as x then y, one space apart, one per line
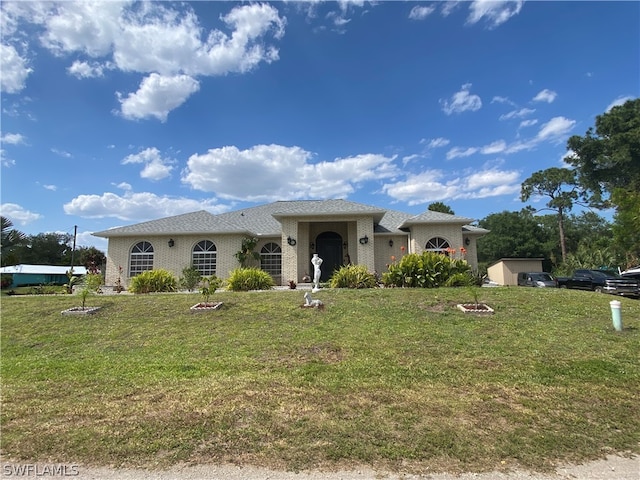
563 246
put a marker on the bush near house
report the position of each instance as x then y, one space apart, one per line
353 276
426 270
245 279
153 281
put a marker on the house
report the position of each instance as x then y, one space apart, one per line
288 234
505 271
25 275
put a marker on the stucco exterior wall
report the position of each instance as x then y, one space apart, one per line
176 258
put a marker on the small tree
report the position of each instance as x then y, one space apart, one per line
246 252
209 287
191 276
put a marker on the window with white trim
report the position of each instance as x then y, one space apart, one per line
204 257
437 244
271 259
141 258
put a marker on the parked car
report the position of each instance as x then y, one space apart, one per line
601 281
536 279
633 273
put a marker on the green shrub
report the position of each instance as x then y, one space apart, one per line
153 281
209 287
191 276
245 279
353 276
426 270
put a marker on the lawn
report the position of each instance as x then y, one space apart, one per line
392 378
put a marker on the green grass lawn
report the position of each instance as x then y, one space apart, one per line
392 378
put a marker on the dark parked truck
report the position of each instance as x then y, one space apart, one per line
601 281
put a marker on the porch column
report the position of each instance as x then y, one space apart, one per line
366 251
290 252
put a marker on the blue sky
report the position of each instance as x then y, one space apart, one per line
120 112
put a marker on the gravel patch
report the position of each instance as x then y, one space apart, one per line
611 468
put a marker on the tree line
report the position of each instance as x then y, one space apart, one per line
604 174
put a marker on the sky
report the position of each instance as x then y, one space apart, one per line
114 113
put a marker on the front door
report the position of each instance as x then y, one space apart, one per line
329 249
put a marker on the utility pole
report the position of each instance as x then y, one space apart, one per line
73 251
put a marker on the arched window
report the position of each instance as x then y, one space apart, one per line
141 258
437 244
204 257
271 259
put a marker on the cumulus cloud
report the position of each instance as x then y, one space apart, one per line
420 12
14 70
167 44
12 138
136 206
555 129
545 95
157 96
494 12
155 166
527 123
18 214
462 101
495 147
275 172
434 185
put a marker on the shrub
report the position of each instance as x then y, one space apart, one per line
6 280
153 281
209 287
191 276
245 279
426 270
353 276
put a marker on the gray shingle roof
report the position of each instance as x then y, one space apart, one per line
262 220
436 217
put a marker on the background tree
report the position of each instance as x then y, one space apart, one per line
91 258
45 249
561 186
440 207
607 160
10 239
513 234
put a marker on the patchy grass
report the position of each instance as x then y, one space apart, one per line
392 378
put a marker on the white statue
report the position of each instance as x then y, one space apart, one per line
316 261
310 302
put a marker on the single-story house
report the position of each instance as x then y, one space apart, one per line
288 233
40 274
505 271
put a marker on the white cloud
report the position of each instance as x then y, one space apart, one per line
494 12
618 101
18 214
53 188
157 96
527 123
545 95
457 152
274 172
437 142
499 99
520 113
420 12
432 185
156 167
555 129
12 138
61 153
151 38
462 101
495 147
136 206
82 69
14 70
